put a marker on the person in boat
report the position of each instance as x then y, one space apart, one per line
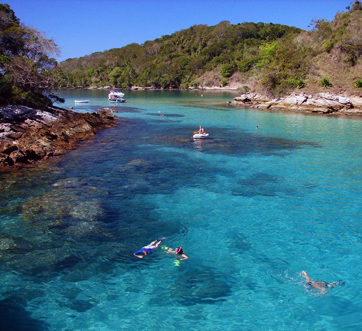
179 253
147 250
201 130
322 286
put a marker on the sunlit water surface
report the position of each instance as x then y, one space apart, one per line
251 207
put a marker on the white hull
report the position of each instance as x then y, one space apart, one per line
81 101
116 96
200 135
117 100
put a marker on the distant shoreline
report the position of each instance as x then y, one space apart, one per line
147 88
321 102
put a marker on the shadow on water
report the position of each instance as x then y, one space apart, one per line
202 285
231 142
261 184
114 109
15 317
165 115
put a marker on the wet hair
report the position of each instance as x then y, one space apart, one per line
179 250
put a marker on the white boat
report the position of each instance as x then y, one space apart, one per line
81 101
117 100
116 96
200 135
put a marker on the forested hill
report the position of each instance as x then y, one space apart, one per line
178 59
271 58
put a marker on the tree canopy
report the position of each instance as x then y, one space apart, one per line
180 59
270 58
26 64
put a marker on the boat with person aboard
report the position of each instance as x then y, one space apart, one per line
116 96
200 134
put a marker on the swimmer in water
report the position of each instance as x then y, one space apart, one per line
147 250
179 253
322 286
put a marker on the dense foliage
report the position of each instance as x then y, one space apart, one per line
25 63
180 59
271 58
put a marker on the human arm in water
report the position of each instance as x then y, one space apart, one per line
304 274
139 256
318 285
179 256
321 285
146 250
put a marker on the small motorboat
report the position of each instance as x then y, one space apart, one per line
117 100
200 135
116 96
81 101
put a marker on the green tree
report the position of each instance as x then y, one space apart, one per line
114 75
25 63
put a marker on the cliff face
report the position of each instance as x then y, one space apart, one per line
28 135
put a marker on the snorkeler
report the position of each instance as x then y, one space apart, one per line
147 250
179 253
320 285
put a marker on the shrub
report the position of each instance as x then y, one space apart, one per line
224 82
358 83
228 69
328 46
325 82
295 83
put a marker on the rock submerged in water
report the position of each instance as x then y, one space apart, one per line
28 135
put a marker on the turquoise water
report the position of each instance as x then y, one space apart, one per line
251 208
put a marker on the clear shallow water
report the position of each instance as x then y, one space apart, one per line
251 208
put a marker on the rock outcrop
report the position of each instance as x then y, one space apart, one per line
28 135
318 103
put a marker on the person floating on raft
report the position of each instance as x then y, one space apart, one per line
322 286
201 130
147 250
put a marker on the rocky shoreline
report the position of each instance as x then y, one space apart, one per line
28 135
326 103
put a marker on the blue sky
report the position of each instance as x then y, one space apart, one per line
81 27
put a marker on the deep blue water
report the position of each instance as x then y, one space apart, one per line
251 208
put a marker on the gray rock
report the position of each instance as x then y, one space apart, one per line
28 135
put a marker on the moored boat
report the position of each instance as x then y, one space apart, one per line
116 96
81 101
117 100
